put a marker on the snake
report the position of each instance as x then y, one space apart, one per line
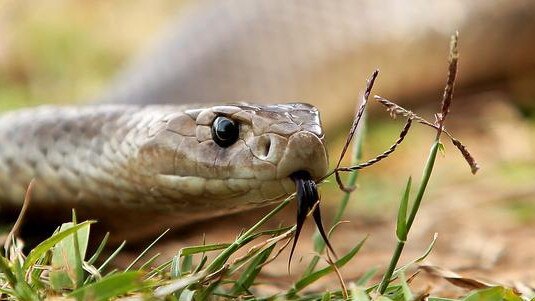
178 164
188 131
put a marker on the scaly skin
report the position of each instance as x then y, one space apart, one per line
131 161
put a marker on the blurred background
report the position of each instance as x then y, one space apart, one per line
321 52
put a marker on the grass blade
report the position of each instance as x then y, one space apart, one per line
186 265
401 229
79 250
47 244
249 275
149 262
145 251
110 287
6 270
105 263
307 280
494 293
221 259
177 285
407 294
99 249
203 249
67 271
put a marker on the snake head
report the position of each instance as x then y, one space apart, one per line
263 147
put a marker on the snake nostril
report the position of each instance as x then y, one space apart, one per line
263 147
267 146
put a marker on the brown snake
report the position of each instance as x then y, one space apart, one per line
137 162
161 162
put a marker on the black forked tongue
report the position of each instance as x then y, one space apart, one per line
307 199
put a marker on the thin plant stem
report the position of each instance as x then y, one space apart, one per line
416 205
425 179
446 102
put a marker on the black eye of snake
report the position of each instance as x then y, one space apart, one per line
225 131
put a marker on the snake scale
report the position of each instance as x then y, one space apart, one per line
132 155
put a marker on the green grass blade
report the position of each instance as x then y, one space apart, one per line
186 265
100 248
21 290
187 295
199 267
307 280
177 285
7 292
25 292
401 228
149 262
48 243
159 269
423 184
222 258
414 210
493 293
145 251
407 294
420 258
110 258
403 268
110 287
67 270
80 250
203 249
383 298
249 275
6 270
175 269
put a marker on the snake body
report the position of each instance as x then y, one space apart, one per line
321 51
158 159
137 159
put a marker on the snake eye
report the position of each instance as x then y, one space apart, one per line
224 131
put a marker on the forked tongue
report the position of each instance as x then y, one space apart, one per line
307 196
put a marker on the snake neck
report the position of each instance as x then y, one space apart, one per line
76 155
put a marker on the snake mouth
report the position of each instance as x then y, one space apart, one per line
307 200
